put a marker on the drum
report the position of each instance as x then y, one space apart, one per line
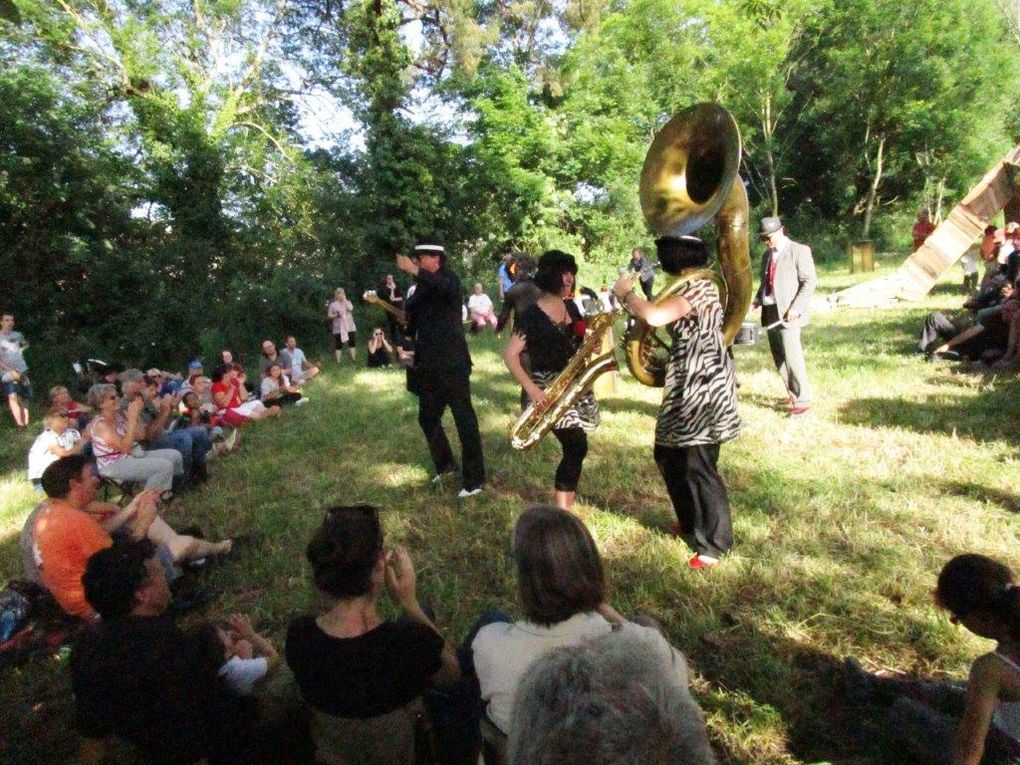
748 334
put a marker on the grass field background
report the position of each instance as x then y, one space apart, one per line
842 520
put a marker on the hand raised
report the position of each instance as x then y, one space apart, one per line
401 581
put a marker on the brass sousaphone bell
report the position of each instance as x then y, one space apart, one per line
689 177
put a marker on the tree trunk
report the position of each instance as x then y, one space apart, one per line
768 132
869 205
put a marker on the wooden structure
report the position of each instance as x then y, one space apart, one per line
918 274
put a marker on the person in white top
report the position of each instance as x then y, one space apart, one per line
301 369
946 723
562 590
480 308
58 440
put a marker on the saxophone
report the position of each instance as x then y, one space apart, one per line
569 385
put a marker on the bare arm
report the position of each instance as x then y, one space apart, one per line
262 646
401 581
653 314
963 337
512 359
982 693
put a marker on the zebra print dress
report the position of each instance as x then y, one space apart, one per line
699 401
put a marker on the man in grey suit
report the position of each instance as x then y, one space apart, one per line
784 296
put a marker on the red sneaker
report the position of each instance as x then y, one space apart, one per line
702 561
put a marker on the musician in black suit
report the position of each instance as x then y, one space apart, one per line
442 364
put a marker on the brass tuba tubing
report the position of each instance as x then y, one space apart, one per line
689 177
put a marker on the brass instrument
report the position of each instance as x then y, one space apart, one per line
576 378
689 177
371 296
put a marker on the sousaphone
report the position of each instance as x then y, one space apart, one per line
689 178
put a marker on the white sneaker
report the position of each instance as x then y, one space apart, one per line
467 493
300 401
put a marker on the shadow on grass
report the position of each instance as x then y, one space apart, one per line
1008 501
992 417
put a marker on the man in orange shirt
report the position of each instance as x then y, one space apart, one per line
65 530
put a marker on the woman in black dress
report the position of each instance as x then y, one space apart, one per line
349 663
550 332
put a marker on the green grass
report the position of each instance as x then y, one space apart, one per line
842 521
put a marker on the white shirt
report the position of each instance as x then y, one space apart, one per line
40 457
503 652
297 362
480 303
242 674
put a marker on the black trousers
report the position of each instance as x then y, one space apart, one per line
436 391
937 329
698 494
575 446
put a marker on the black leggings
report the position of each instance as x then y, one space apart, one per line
575 446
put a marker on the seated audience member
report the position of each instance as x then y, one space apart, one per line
235 652
380 352
227 357
58 440
195 414
562 591
988 250
231 398
948 723
301 369
155 417
135 675
270 355
988 336
62 403
67 528
606 702
353 668
115 437
194 371
481 310
166 383
277 390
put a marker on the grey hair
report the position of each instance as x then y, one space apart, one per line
611 701
98 393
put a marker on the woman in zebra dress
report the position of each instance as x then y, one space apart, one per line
699 401
549 333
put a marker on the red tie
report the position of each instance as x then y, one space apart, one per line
772 275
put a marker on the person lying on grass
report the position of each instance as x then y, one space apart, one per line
947 724
64 531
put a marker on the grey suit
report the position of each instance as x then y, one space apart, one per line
793 287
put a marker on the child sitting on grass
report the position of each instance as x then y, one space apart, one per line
948 724
58 440
236 653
